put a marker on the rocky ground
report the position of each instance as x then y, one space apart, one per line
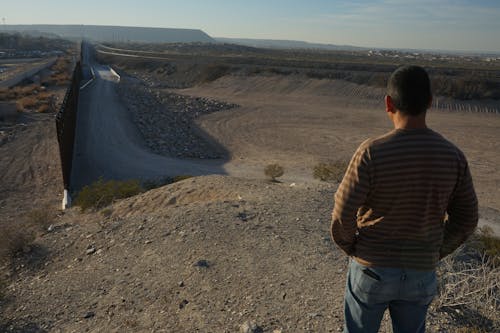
166 120
208 254
9 130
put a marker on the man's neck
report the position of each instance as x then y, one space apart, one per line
402 121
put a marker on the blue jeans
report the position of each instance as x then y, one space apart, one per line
371 290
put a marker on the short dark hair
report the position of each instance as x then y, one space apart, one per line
410 89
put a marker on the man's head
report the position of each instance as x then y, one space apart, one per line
409 91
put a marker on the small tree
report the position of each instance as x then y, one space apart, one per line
274 171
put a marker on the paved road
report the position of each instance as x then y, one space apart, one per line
31 71
108 144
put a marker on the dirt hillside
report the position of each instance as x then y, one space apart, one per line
210 253
205 254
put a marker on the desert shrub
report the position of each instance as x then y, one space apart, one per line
330 171
214 72
487 243
155 183
28 102
470 279
40 218
102 193
181 177
43 108
274 171
18 92
14 239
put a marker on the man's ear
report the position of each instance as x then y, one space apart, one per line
389 105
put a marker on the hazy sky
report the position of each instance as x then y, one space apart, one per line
426 24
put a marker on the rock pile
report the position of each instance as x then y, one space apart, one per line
166 120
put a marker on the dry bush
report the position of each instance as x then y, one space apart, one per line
5 94
13 240
330 171
43 108
62 64
274 171
159 182
18 92
59 79
27 103
40 219
102 193
213 72
181 177
487 243
470 279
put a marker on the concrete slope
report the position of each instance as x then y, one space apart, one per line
108 143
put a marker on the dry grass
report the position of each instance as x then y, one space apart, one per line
487 243
13 240
18 238
27 102
181 178
29 98
43 108
18 92
40 219
470 280
61 72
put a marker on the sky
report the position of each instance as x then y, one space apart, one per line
465 25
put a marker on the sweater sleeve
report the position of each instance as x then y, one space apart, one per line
350 196
462 212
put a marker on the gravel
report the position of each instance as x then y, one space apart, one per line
167 120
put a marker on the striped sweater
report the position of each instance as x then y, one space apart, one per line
390 208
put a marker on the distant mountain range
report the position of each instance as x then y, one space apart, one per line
110 34
103 33
287 44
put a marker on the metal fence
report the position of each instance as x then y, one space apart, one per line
66 125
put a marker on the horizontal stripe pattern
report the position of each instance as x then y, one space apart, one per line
391 204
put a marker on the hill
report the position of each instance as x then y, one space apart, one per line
117 33
288 44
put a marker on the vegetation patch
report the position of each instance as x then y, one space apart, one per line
19 237
274 171
181 177
155 183
102 193
330 171
487 243
470 283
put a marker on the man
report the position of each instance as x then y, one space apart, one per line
390 208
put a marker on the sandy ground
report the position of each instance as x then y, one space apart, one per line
298 122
